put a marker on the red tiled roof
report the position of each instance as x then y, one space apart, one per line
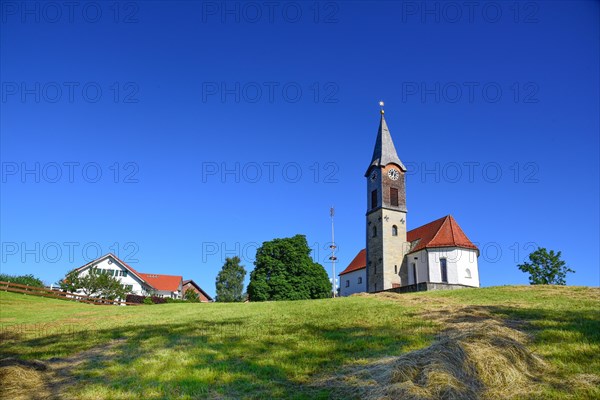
163 282
359 262
443 232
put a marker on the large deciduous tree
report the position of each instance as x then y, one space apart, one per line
284 270
545 268
230 281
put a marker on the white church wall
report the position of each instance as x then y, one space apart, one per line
420 261
352 279
468 268
458 261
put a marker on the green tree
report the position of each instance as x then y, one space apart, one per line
230 281
284 271
95 283
191 296
28 280
545 268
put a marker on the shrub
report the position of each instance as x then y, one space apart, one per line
148 300
158 300
170 300
134 298
29 280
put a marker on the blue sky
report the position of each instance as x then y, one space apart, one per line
177 134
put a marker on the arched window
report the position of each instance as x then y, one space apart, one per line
468 272
394 230
374 231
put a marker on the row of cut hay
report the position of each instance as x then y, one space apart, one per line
480 360
23 380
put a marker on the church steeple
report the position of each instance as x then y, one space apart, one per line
386 214
384 152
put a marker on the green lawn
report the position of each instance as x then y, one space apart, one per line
278 349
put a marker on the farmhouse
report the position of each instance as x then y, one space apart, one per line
139 283
437 255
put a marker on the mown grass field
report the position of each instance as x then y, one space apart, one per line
283 349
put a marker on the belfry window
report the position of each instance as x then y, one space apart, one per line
374 199
374 231
394 197
394 230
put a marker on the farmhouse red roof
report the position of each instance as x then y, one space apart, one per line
443 232
163 282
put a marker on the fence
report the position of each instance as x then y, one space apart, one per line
55 294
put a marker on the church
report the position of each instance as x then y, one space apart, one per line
437 255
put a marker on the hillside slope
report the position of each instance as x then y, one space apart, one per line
367 346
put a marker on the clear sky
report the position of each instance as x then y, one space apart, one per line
176 134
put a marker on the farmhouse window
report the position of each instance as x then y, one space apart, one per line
347 283
359 280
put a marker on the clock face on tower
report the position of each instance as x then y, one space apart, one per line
374 175
393 174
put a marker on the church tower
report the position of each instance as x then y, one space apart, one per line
386 214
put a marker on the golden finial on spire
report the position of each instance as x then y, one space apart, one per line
381 105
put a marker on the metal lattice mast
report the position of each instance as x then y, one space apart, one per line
333 258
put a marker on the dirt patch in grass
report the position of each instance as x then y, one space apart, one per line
476 356
46 380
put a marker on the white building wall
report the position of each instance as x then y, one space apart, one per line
421 262
353 286
460 264
111 264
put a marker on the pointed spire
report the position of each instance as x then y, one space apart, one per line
384 152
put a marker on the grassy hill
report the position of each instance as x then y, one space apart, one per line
513 342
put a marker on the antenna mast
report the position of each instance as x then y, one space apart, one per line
333 258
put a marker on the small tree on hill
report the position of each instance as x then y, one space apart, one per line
230 281
94 284
545 268
284 271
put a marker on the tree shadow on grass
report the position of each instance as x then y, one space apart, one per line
225 359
